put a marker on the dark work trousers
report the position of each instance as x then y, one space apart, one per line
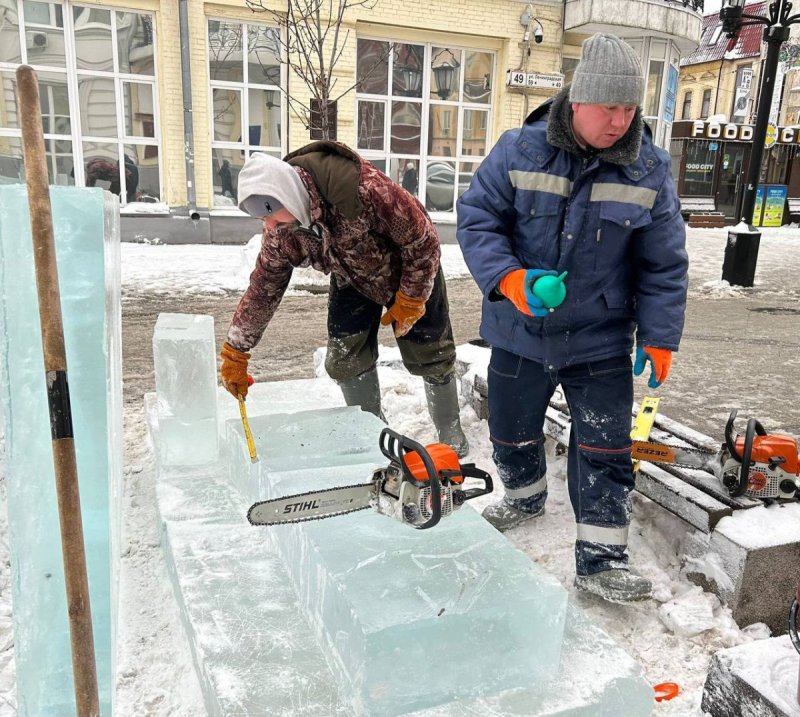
599 468
427 349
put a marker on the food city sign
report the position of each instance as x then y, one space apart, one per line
743 132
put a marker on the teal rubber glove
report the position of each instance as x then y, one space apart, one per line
517 286
660 361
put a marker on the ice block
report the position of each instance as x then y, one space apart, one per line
393 607
254 652
85 237
254 649
184 359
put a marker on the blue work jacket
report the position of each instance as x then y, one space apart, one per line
616 228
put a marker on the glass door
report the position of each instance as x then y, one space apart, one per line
731 181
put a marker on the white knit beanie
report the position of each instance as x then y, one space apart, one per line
266 176
609 73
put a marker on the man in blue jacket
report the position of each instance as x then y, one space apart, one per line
582 189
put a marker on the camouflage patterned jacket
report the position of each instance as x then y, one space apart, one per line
366 230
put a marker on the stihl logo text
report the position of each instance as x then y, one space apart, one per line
652 452
301 506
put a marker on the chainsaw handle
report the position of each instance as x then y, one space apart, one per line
730 441
469 470
394 446
753 427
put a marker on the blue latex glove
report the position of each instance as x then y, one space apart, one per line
659 360
517 286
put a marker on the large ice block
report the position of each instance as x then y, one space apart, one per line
596 678
184 358
391 605
255 654
86 233
254 651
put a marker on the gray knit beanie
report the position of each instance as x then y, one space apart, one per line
609 73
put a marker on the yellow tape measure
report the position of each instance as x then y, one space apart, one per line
251 444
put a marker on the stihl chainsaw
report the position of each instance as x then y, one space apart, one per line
420 486
758 464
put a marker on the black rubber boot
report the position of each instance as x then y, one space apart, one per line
443 407
364 391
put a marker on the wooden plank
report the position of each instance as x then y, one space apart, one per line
694 495
680 498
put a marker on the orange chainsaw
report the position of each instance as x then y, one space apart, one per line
420 486
757 464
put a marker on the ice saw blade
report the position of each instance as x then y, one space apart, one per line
313 505
675 455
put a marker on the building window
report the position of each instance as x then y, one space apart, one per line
714 39
568 65
699 169
706 105
98 95
686 111
247 101
424 114
653 91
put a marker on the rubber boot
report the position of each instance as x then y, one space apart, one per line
619 586
364 391
504 516
443 407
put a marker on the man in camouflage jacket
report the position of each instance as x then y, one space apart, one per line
324 206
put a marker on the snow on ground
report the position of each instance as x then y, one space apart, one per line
673 637
195 269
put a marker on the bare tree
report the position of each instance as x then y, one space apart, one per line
311 41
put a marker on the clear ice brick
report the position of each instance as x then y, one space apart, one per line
184 359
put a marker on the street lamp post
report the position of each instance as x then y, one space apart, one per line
741 250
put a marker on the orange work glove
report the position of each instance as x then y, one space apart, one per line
233 371
517 287
659 359
405 312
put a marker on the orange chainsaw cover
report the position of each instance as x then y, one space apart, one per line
444 459
773 446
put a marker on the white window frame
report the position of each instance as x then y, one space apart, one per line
425 101
245 147
72 76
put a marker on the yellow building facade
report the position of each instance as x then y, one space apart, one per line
162 101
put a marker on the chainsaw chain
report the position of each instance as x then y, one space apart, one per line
308 520
708 456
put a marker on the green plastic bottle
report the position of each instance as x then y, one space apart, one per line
551 290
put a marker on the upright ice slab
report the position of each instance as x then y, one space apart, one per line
408 618
186 387
86 234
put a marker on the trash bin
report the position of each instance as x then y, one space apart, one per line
741 255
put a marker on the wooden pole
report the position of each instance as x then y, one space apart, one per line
55 368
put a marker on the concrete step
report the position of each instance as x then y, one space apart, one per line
757 678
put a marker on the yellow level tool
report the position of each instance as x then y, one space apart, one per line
251 444
643 424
